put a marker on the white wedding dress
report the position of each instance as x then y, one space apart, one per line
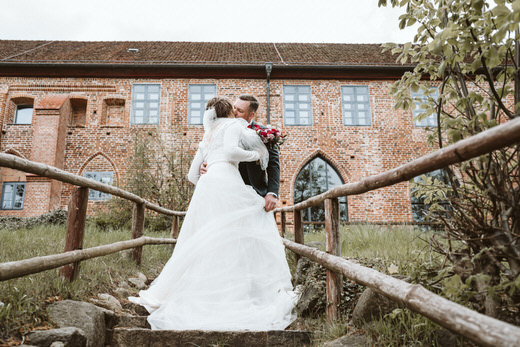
228 270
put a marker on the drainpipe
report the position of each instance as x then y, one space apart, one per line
268 69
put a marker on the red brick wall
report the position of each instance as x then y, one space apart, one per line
355 152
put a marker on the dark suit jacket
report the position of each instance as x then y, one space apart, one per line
263 182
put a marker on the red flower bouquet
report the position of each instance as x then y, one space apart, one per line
270 137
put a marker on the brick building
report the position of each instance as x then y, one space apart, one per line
77 106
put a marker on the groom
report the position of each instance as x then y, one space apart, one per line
266 183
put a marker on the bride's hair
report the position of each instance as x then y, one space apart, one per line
222 106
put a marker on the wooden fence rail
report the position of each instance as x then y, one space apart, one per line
14 162
29 266
77 209
477 327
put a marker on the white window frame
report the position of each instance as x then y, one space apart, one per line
431 120
297 105
196 114
355 106
144 107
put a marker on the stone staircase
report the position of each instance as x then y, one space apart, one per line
130 331
82 324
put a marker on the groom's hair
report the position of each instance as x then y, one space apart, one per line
253 101
222 106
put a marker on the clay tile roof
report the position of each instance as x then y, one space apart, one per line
221 53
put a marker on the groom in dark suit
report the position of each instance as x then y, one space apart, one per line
265 183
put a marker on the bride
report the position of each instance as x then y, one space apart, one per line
228 270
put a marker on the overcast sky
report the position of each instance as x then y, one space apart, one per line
331 21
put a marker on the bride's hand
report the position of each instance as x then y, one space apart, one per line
203 168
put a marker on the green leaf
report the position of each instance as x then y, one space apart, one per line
500 10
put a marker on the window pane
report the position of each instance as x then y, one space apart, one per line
355 98
289 97
13 196
303 97
24 114
103 177
316 177
196 96
145 97
289 89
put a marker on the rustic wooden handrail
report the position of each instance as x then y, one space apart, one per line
17 163
495 138
477 327
29 266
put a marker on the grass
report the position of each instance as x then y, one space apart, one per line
25 298
403 246
395 250
400 249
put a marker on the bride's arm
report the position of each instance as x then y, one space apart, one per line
194 173
232 148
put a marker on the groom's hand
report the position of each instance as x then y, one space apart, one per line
270 202
203 168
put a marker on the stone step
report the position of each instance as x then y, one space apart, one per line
130 337
132 322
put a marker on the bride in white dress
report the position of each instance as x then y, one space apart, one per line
228 270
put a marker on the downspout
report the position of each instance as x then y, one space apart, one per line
268 69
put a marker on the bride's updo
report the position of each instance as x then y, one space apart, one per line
222 106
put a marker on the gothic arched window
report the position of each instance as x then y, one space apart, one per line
316 177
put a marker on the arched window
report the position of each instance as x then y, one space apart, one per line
317 177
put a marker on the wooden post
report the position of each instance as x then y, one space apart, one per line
137 230
332 235
283 223
76 219
298 231
175 228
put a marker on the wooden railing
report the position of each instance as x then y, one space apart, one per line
477 327
459 319
77 213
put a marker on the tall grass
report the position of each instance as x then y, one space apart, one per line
401 245
25 298
395 250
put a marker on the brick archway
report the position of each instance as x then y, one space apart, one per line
104 156
317 153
